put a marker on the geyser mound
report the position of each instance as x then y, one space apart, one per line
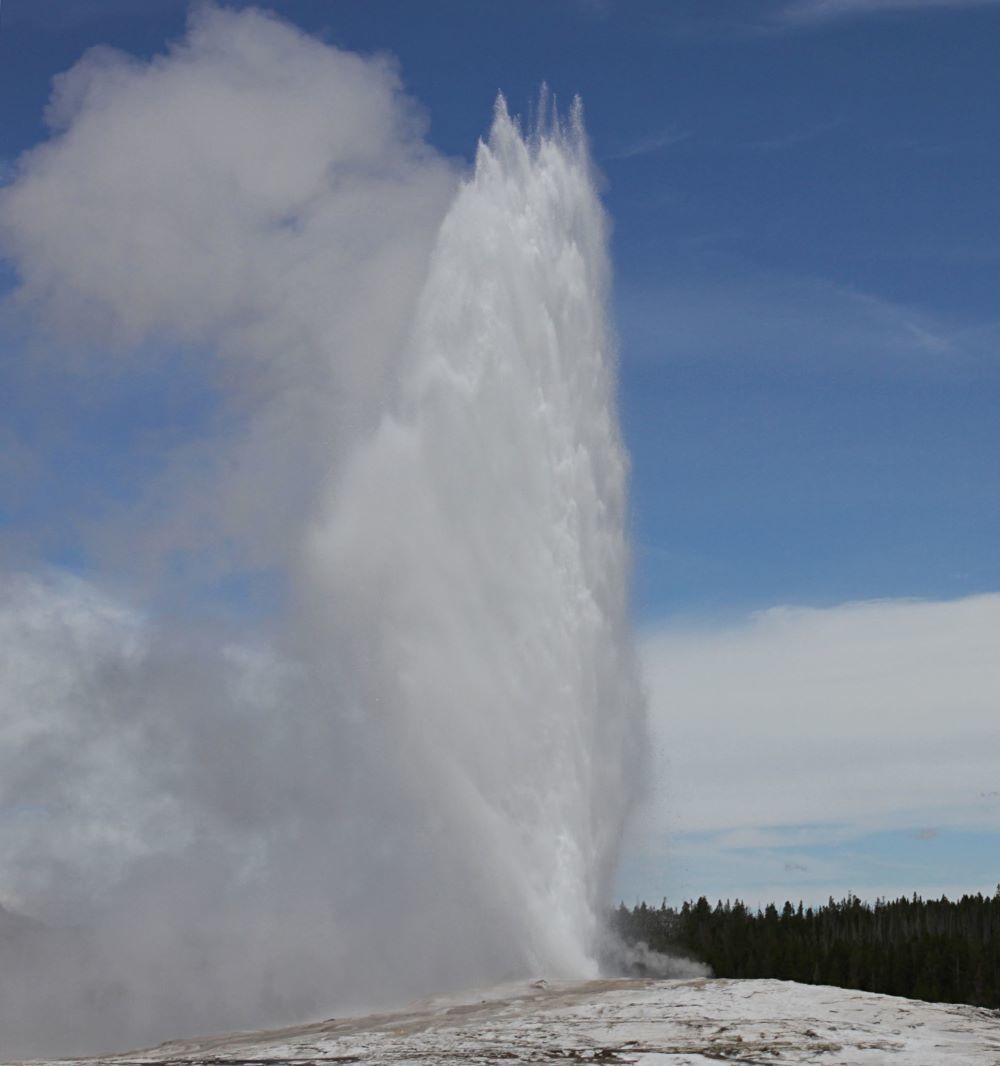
414 776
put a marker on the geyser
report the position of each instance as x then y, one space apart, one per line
475 564
415 775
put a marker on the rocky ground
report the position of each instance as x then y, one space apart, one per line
644 1022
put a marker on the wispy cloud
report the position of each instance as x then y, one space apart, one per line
803 322
812 12
794 138
650 144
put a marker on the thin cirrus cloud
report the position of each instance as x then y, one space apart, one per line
794 138
778 317
813 12
650 144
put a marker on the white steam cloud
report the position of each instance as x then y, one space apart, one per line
262 199
417 776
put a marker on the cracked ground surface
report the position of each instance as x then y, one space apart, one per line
643 1022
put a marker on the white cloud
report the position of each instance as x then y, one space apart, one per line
255 194
881 714
811 12
787 746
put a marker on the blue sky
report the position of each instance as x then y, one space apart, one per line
806 245
807 252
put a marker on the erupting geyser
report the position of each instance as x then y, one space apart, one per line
477 563
413 774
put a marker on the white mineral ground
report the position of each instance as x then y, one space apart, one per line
644 1022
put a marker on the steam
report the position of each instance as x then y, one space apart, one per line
638 959
414 775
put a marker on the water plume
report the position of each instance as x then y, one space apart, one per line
415 775
474 556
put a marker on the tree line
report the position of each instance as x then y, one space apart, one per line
938 950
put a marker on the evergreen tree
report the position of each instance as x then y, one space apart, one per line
925 949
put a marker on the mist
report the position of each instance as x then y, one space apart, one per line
411 774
